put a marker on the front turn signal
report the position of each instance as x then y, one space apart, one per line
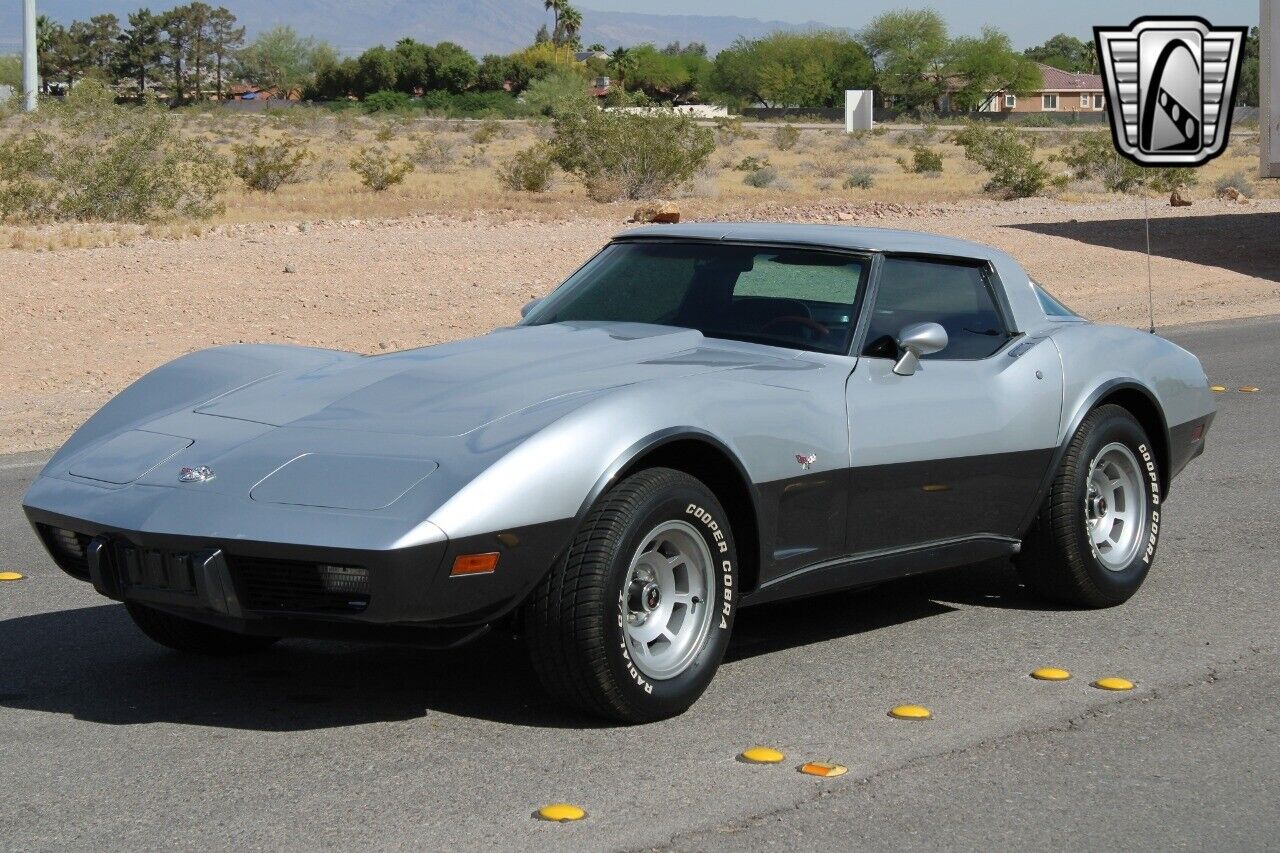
475 564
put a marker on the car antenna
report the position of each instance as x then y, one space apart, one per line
1151 311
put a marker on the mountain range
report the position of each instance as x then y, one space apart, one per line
481 26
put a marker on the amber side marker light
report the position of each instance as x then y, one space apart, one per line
475 564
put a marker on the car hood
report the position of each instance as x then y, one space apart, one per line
453 389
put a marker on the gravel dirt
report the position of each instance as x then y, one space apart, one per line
78 325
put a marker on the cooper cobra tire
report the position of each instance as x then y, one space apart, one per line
1095 536
633 623
197 638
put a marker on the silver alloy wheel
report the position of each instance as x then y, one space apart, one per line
667 605
1115 506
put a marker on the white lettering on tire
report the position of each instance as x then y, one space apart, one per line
1153 477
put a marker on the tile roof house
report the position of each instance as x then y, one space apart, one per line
1061 91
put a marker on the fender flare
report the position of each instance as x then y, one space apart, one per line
1077 417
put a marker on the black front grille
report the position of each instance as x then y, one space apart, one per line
279 585
68 549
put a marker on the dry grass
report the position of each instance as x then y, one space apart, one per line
455 174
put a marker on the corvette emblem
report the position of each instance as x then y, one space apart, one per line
202 474
805 460
1170 86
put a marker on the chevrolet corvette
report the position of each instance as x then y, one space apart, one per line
701 418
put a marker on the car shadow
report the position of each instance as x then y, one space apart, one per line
1243 242
93 664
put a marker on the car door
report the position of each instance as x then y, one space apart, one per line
958 448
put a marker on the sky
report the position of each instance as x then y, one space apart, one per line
1028 22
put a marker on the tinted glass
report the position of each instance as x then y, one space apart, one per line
785 297
956 296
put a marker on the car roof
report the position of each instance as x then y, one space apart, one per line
830 236
1027 310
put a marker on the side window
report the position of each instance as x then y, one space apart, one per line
957 296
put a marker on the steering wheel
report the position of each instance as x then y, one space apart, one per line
807 322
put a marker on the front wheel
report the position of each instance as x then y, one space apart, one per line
1095 536
633 623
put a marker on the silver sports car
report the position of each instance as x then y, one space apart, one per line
701 418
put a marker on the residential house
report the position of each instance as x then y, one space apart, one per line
1060 92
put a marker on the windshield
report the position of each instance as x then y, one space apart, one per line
798 298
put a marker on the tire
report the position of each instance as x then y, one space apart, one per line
184 635
587 624
1079 552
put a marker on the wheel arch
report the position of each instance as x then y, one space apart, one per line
1135 398
698 454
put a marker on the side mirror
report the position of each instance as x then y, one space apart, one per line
917 340
529 306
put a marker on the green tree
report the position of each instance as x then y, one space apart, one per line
139 48
11 71
1066 52
225 38
177 27
910 49
811 69
413 63
378 70
199 22
988 63
555 7
570 26
48 35
281 59
493 72
452 67
622 62
1249 71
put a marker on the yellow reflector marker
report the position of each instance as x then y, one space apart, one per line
822 768
560 813
1113 683
475 564
11 576
1250 389
910 712
761 755
1218 388
1051 673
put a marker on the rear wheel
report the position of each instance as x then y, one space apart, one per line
633 624
184 635
1095 536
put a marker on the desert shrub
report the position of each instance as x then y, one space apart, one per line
385 133
626 155
487 131
1238 181
786 137
94 160
268 166
530 170
386 101
1010 161
925 161
379 168
1093 155
860 179
751 164
559 93
729 130
436 153
761 178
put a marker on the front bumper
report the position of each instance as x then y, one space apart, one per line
291 590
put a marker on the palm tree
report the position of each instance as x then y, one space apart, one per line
570 23
623 63
555 7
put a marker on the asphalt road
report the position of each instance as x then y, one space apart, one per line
107 741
